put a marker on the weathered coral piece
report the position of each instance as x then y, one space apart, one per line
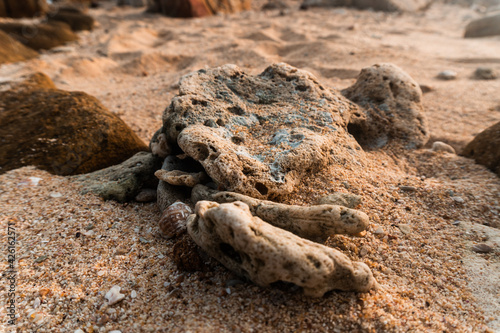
348 200
182 178
265 254
483 27
167 193
312 222
392 108
259 135
173 220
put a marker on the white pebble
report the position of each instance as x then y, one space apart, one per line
441 146
55 195
133 294
447 75
115 331
36 303
79 331
113 295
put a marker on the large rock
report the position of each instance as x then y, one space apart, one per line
60 131
13 51
259 135
197 8
391 108
485 148
24 8
252 248
41 36
379 5
483 27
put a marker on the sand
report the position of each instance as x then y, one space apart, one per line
72 248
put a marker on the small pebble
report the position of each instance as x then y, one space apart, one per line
115 331
405 228
55 195
79 331
36 303
447 75
133 294
425 88
444 147
379 231
457 222
40 259
458 199
113 295
482 248
406 188
485 73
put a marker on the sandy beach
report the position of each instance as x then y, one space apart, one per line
427 209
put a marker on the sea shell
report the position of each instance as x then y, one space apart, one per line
173 220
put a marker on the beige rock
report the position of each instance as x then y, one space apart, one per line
485 148
483 27
441 146
380 5
392 111
182 178
265 254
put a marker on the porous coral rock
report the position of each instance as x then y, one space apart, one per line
391 108
265 254
259 135
181 178
312 222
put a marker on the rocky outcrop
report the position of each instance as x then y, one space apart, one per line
258 135
485 148
379 5
483 27
13 51
60 131
197 8
25 8
41 36
265 254
316 222
391 108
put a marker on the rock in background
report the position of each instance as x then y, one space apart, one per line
22 8
40 36
59 131
13 51
197 8
483 27
485 148
379 5
391 108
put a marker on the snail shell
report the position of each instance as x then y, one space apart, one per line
173 220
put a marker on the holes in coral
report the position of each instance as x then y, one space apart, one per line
201 152
237 140
261 188
199 102
230 252
179 127
313 261
301 87
220 122
356 131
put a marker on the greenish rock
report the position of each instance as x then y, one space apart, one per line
122 182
